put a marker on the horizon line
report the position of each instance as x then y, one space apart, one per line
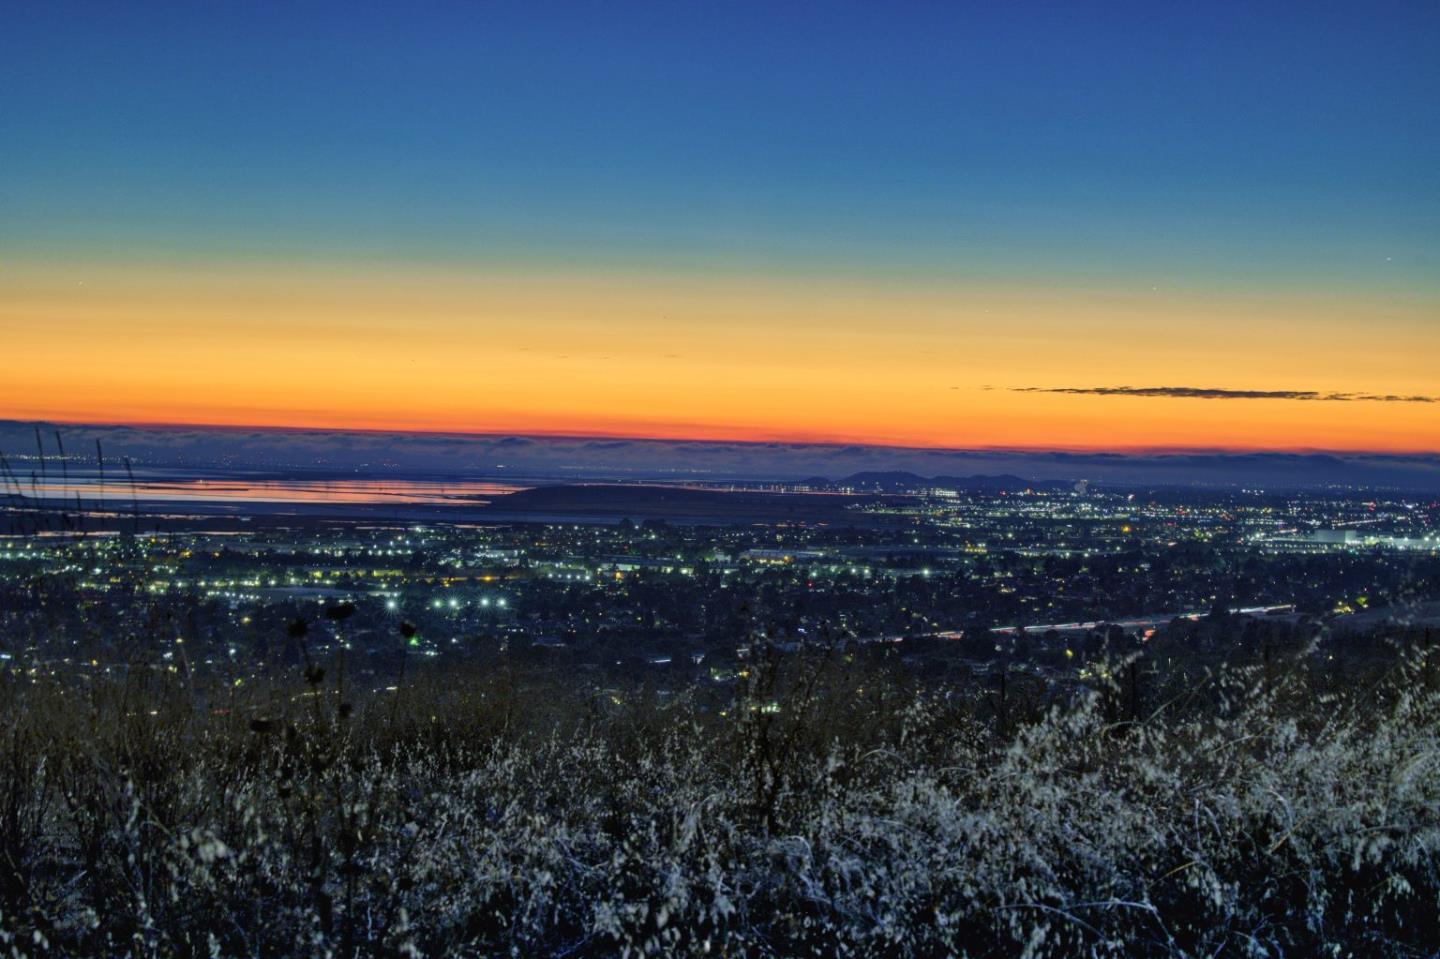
1157 450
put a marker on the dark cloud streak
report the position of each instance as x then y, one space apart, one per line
1215 393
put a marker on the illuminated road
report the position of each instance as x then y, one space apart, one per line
1142 622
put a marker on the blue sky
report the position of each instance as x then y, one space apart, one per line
1257 144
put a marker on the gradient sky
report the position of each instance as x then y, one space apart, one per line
881 222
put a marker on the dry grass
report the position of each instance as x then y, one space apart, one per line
828 811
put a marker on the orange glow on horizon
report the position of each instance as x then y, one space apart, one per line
714 358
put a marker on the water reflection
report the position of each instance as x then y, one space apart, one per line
114 492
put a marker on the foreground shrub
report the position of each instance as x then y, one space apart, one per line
810 816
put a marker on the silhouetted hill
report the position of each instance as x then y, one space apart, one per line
889 480
683 504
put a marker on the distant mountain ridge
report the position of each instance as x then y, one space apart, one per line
569 459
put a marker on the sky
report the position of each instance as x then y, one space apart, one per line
1074 226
